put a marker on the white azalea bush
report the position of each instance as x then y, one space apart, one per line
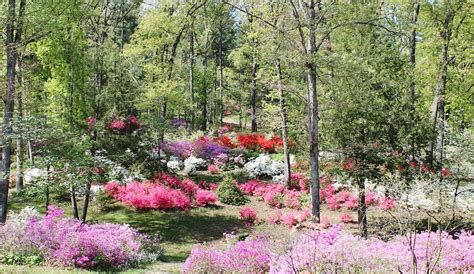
263 165
192 164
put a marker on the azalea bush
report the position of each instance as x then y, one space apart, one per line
165 192
61 241
332 251
248 215
249 256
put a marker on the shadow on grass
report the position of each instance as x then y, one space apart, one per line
207 178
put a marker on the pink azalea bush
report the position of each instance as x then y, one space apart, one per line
213 169
165 192
332 251
205 197
249 256
387 203
67 242
346 218
248 215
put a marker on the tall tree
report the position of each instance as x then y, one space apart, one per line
8 116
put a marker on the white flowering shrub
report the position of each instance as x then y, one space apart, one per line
263 165
174 166
192 164
34 175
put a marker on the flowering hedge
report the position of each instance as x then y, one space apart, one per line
331 251
165 192
62 241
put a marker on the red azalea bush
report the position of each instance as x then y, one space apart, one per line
256 141
248 215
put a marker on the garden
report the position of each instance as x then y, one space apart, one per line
236 137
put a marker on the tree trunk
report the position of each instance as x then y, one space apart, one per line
191 75
437 108
221 80
253 95
313 112
86 202
8 116
362 209
75 211
19 143
284 134
204 97
412 62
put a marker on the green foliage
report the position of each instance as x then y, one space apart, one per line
20 259
230 194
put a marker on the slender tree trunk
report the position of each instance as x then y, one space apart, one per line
191 75
412 62
19 63
204 98
313 113
86 202
19 141
75 211
8 116
221 79
253 96
284 134
362 209
437 108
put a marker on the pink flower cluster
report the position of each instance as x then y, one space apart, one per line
336 200
290 218
331 251
249 256
213 169
248 215
275 195
165 192
68 242
124 125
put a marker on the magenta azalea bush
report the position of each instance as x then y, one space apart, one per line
331 251
62 241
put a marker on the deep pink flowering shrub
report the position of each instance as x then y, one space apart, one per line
149 195
274 217
387 203
205 197
352 203
331 251
248 215
67 242
249 256
165 192
295 218
213 169
346 218
371 198
250 186
292 199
